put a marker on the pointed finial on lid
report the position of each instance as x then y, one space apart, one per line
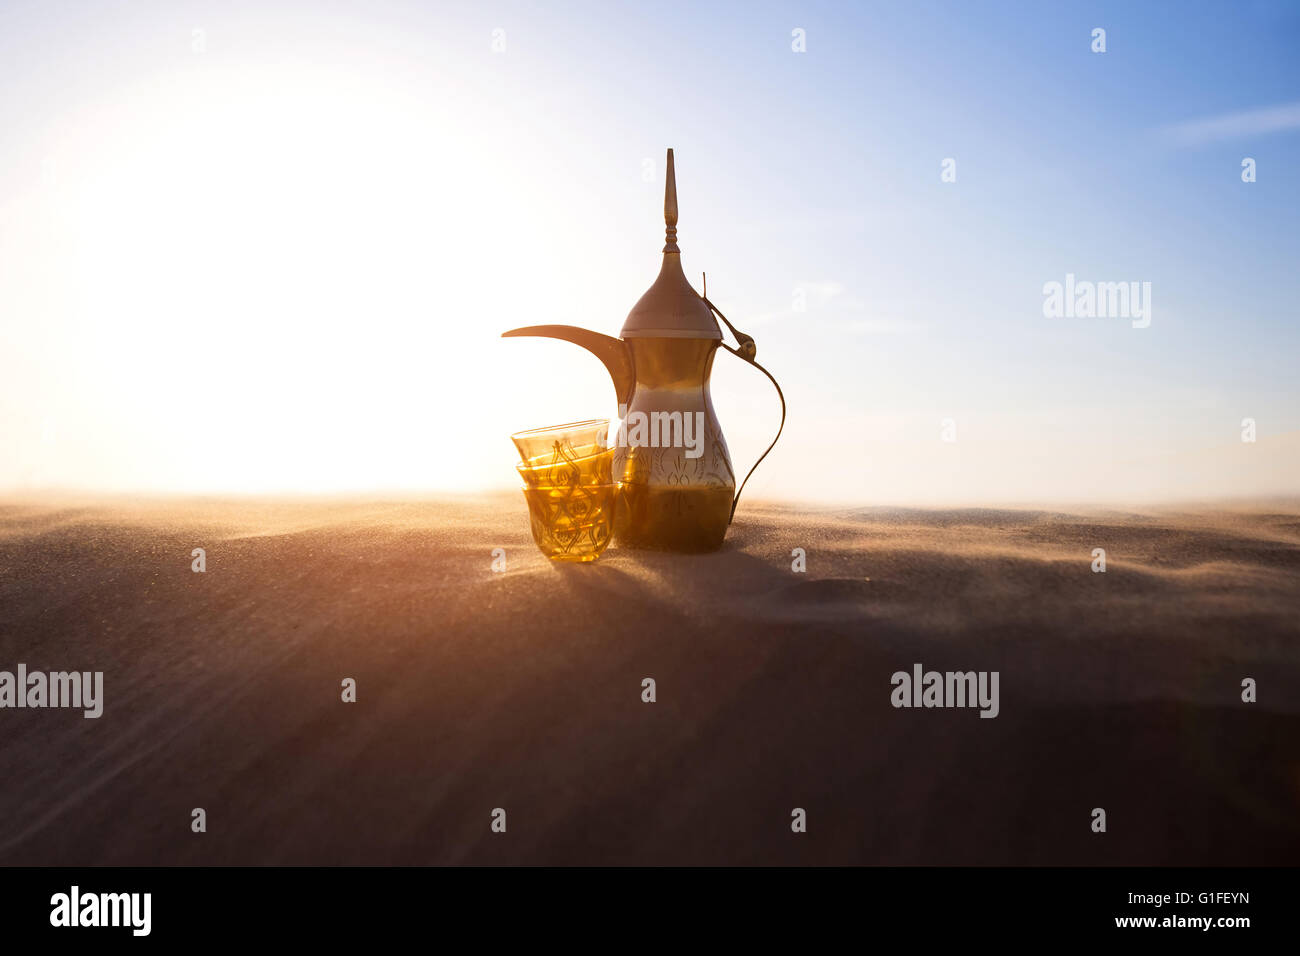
671 309
670 206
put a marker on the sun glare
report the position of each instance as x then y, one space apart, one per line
265 280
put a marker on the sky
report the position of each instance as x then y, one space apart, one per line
270 247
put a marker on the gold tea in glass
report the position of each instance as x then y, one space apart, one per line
574 522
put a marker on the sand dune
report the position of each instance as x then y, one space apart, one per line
522 689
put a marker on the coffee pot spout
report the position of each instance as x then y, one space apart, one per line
613 353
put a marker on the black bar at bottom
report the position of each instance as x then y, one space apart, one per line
300 905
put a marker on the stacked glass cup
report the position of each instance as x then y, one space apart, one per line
566 470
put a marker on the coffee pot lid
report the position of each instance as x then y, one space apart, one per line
671 308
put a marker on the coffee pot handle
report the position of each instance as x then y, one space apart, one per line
746 349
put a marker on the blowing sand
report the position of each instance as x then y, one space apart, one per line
522 690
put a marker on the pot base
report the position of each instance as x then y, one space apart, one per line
681 518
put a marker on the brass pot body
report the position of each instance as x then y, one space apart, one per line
676 482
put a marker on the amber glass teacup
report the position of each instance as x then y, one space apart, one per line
572 523
538 446
566 470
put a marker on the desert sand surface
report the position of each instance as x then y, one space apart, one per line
522 689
